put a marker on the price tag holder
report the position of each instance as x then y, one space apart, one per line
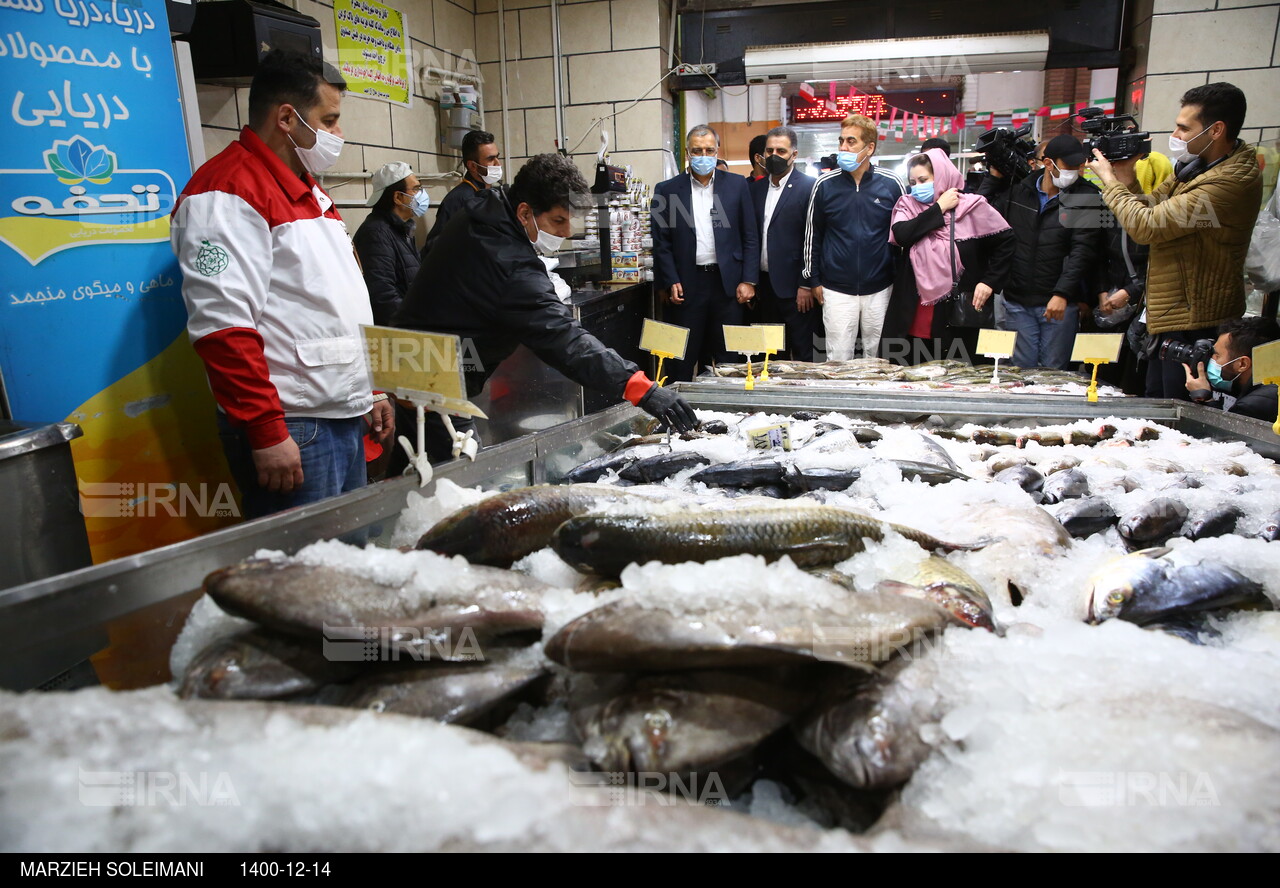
664 341
774 437
1266 370
997 344
426 370
1096 349
746 341
775 340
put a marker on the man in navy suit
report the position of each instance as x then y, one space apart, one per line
706 255
781 200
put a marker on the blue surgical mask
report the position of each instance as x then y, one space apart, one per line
421 203
923 192
1214 372
848 161
702 165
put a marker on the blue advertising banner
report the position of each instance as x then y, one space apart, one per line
92 325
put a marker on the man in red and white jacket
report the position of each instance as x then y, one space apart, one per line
275 297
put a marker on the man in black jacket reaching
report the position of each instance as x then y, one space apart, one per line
483 281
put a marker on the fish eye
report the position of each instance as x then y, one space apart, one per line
1116 597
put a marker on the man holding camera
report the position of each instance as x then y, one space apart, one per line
1197 223
1230 369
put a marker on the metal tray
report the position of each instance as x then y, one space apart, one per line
39 621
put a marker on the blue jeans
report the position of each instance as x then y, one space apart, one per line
332 453
1041 343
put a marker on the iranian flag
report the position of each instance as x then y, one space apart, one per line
984 119
1108 105
897 128
957 123
1059 112
1021 116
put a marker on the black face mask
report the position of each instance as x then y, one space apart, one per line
775 164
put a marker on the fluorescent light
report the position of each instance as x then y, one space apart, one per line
910 58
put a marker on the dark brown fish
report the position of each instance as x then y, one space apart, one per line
811 535
867 628
502 529
261 665
1213 522
342 609
870 738
1153 522
450 693
684 722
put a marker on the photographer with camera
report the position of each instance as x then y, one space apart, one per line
1197 224
1230 367
1054 256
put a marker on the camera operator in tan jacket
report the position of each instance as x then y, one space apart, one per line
1197 222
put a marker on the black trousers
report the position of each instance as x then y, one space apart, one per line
1168 378
803 327
705 310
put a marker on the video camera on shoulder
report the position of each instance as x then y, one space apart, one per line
1007 151
1191 354
1117 138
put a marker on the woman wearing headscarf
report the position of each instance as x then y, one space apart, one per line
916 328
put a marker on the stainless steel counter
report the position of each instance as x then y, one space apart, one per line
41 621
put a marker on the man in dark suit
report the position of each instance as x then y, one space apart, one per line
781 200
706 255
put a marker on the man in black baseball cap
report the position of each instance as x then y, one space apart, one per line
1055 249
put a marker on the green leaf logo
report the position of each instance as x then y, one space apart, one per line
77 159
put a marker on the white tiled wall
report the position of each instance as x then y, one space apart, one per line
613 51
442 34
1186 43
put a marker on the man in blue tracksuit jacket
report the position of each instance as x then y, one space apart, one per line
848 260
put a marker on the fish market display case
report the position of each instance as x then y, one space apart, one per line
42 622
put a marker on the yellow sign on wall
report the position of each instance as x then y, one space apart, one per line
372 56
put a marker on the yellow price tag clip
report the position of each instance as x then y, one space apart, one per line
749 341
1096 349
775 340
663 341
1266 370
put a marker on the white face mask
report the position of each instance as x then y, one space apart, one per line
323 154
546 242
1065 178
1178 149
492 175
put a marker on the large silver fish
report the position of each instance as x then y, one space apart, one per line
811 535
1144 588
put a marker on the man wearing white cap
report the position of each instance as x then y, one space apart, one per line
384 241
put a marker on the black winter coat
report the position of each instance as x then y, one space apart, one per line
1057 249
484 282
1260 402
986 260
384 243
